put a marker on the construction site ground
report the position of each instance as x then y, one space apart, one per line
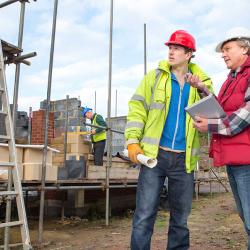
214 224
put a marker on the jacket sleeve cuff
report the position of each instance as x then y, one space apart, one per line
213 126
131 141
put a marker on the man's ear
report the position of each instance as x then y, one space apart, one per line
189 55
245 50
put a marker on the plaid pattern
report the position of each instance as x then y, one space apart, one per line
234 123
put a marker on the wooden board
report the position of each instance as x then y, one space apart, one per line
99 172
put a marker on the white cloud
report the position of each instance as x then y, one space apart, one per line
82 44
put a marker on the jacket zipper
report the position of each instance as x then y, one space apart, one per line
178 115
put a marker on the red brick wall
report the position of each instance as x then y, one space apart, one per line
38 127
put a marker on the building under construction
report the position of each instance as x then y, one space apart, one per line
46 153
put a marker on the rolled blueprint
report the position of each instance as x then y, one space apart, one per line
143 159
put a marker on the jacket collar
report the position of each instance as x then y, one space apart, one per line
246 64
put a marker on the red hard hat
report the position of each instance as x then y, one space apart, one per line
181 37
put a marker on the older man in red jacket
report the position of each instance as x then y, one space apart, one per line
230 144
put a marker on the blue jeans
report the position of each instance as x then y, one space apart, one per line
239 178
180 194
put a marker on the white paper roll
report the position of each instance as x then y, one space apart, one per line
143 159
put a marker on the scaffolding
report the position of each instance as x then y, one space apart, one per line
67 185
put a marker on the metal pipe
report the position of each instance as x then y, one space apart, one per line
106 128
29 126
40 231
109 141
14 114
26 62
37 188
145 49
95 101
66 133
17 73
8 3
22 57
116 103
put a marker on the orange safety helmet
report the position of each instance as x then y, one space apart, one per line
183 38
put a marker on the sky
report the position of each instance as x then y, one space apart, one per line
81 58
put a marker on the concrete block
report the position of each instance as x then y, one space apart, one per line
59 123
33 171
75 138
4 172
4 154
76 169
35 155
80 148
74 122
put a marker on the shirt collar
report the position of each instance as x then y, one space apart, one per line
235 72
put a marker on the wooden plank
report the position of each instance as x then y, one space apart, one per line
79 198
99 172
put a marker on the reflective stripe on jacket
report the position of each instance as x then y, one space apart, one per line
99 136
148 109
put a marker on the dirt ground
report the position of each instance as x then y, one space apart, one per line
214 224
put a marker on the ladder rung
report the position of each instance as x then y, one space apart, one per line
3 112
11 224
6 137
7 164
8 193
12 245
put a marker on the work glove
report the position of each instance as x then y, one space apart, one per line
133 150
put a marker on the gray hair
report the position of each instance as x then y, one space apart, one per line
245 43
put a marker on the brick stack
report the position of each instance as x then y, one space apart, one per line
77 146
4 157
29 162
118 140
78 150
32 164
121 169
59 108
22 124
38 127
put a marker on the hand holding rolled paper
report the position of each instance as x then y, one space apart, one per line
143 159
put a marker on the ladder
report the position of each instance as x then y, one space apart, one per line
7 53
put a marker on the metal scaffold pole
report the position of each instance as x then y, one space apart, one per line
29 126
7 3
116 103
17 73
145 49
41 214
109 139
95 101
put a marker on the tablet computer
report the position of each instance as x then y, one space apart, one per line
207 107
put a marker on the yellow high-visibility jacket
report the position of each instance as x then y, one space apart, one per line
101 133
148 109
